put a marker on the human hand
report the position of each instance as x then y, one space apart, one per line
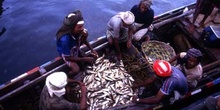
134 99
82 87
95 54
84 32
151 27
134 86
89 59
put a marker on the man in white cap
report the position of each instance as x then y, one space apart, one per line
69 39
144 16
52 95
119 31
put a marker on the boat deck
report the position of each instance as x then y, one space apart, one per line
197 34
23 92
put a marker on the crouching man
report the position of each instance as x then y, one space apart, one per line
52 95
174 82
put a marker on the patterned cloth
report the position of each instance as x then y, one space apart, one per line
55 103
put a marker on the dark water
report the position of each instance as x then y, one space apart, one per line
28 27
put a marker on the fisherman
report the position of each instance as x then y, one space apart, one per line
69 39
204 7
215 11
52 95
119 32
174 83
144 16
190 64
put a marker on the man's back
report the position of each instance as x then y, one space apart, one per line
177 81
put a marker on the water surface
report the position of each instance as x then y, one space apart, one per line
28 27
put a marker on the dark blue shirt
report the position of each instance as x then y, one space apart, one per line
145 18
177 81
68 45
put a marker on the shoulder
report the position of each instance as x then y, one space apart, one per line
199 67
182 54
177 72
150 12
196 70
175 69
64 37
115 21
135 7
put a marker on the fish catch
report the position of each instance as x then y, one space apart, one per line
108 84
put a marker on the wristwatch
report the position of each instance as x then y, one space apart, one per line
137 99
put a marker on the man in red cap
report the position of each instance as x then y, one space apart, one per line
174 82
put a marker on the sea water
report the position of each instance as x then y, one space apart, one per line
28 27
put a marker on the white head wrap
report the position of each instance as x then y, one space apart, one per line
127 17
56 83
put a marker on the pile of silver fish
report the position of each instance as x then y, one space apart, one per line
108 85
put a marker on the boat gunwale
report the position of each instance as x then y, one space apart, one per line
207 68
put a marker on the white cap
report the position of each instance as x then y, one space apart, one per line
56 83
127 17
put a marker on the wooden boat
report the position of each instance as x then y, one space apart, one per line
23 91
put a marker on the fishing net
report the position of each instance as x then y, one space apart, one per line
153 50
137 69
136 65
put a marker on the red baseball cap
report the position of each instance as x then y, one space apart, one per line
162 68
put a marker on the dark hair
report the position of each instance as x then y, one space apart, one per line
69 23
72 18
147 3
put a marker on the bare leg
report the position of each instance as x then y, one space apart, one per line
196 13
75 69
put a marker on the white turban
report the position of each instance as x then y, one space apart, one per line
127 17
56 83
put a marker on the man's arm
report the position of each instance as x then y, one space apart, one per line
150 100
85 41
83 105
174 58
130 34
117 48
146 82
